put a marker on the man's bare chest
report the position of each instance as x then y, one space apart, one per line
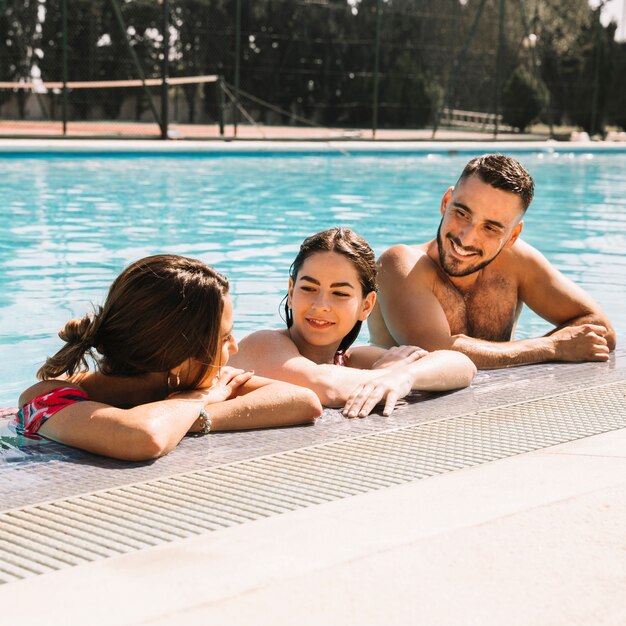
488 311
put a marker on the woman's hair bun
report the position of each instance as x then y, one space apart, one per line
79 331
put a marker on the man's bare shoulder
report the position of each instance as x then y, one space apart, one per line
402 259
524 257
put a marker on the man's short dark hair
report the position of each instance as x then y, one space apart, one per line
502 172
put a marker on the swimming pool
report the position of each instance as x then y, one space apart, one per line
70 223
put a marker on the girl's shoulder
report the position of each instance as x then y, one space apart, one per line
257 347
42 387
263 338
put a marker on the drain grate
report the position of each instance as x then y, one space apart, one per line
63 533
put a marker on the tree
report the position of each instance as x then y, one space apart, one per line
20 45
524 98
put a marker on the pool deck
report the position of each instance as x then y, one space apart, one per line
454 143
516 515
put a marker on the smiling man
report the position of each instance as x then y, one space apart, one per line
464 290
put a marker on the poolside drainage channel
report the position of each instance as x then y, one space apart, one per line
72 531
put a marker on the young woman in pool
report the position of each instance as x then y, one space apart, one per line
161 341
332 290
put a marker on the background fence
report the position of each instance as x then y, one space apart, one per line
202 66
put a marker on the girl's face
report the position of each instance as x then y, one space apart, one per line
327 299
227 344
225 347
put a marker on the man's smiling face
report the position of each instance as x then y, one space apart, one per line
478 222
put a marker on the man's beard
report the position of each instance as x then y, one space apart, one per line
450 266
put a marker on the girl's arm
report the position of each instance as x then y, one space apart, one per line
273 354
141 433
441 370
153 429
263 403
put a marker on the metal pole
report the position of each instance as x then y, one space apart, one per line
220 103
528 31
597 57
64 57
376 68
165 112
237 63
499 69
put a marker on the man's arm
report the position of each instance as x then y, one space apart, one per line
556 298
413 315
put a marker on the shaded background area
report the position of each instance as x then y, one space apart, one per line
370 64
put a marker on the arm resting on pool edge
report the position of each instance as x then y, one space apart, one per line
271 353
153 429
441 370
560 301
414 315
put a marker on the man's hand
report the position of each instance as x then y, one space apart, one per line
586 342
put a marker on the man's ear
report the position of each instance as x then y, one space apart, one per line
290 293
446 199
517 231
368 305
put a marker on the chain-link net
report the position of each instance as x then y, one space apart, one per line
482 65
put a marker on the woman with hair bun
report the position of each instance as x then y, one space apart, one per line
160 343
332 291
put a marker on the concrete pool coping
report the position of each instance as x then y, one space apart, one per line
531 538
469 547
321 147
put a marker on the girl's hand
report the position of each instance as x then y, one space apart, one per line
399 356
388 387
227 382
224 387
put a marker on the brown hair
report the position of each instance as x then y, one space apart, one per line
159 311
346 242
502 172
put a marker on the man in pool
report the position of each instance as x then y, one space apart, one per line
464 290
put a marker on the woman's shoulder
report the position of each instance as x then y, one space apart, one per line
42 387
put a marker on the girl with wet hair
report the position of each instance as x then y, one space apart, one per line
332 290
160 344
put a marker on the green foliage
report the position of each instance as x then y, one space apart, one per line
617 106
524 98
408 98
316 59
578 57
18 40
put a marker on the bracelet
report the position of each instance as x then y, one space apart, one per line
205 423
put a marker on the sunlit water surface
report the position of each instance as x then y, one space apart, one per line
69 225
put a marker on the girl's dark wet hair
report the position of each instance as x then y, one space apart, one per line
159 311
346 242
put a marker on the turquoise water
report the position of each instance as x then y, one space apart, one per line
69 225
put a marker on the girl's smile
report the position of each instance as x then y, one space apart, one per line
327 301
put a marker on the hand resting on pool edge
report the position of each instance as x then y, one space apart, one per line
163 338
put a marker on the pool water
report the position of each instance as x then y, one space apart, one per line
70 224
